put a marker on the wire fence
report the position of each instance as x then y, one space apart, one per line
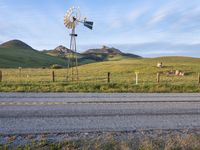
48 75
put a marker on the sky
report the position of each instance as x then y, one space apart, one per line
149 28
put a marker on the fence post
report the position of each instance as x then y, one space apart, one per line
1 76
136 78
158 77
108 77
20 71
198 78
53 76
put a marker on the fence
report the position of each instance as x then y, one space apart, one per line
1 76
47 75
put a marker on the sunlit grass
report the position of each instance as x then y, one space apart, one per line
122 76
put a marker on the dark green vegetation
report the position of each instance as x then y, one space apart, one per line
93 55
14 54
143 140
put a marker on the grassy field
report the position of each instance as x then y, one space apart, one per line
93 77
143 140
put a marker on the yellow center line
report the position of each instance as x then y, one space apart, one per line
43 103
3 103
18 103
34 103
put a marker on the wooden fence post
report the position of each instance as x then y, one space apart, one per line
198 78
1 76
136 78
20 71
158 77
108 77
53 76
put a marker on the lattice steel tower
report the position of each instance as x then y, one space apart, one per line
71 20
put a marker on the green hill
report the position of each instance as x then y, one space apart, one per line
107 53
16 53
93 55
60 52
16 44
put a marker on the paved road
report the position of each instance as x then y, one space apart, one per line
22 113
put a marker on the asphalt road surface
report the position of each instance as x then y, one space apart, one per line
26 113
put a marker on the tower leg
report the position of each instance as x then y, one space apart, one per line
72 58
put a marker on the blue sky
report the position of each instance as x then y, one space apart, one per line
145 27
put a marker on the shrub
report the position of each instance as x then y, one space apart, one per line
56 66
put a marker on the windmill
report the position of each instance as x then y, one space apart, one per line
71 20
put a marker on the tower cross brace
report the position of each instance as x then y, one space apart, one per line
72 58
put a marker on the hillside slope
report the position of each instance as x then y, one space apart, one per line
16 53
124 70
93 77
62 51
108 52
93 55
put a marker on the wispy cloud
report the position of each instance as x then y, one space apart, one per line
157 49
120 19
163 12
136 13
189 19
40 23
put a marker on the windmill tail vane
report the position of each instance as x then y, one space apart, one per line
89 24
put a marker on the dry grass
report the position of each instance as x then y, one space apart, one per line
121 71
120 141
95 75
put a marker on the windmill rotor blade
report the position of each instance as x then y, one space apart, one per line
71 17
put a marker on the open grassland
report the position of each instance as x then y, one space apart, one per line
93 77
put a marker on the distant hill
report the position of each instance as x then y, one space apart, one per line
104 50
16 44
93 55
58 51
62 51
16 53
108 53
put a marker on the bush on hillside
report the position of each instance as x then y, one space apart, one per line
56 66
